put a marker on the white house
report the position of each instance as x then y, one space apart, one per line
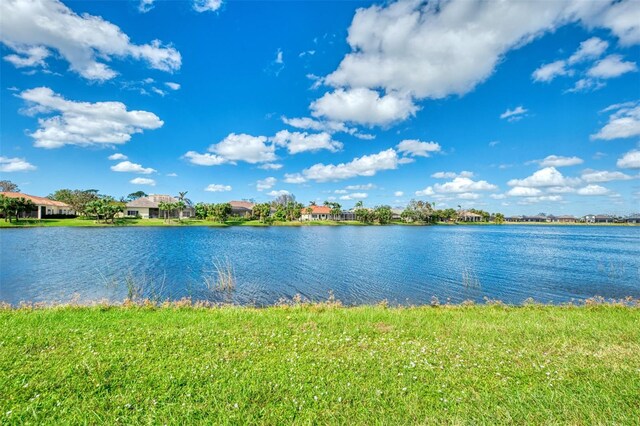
149 207
324 213
44 206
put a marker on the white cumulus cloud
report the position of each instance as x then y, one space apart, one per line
548 72
355 196
521 191
597 176
235 147
416 148
8 165
630 160
593 190
514 114
143 181
367 165
206 5
451 175
87 42
430 50
559 161
243 147
623 123
278 193
549 176
270 166
297 142
84 123
117 156
589 49
610 67
205 159
128 166
214 187
266 183
294 178
364 187
463 184
363 106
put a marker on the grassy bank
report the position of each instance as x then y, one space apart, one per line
81 222
321 364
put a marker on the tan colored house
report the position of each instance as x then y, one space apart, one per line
44 206
241 208
465 216
565 219
149 207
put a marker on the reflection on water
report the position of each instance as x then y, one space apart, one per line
358 264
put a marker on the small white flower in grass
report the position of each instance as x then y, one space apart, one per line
235 405
339 399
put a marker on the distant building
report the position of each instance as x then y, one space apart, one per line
241 208
324 213
634 218
466 216
600 218
396 214
149 207
564 219
536 218
44 206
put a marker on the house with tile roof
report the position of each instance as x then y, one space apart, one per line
44 206
324 213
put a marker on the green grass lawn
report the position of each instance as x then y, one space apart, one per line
321 365
26 223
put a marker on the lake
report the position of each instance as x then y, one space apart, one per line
358 265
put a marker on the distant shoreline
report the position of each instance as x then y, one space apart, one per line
90 223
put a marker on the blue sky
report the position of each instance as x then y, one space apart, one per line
503 106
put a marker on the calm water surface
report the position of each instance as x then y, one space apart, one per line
407 265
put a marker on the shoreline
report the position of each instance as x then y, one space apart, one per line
193 303
89 223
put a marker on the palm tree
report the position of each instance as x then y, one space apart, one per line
184 202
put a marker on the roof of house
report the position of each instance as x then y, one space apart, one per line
241 205
152 201
565 217
470 214
318 210
36 200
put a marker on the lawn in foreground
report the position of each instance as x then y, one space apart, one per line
321 364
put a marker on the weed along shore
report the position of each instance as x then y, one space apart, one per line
320 363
